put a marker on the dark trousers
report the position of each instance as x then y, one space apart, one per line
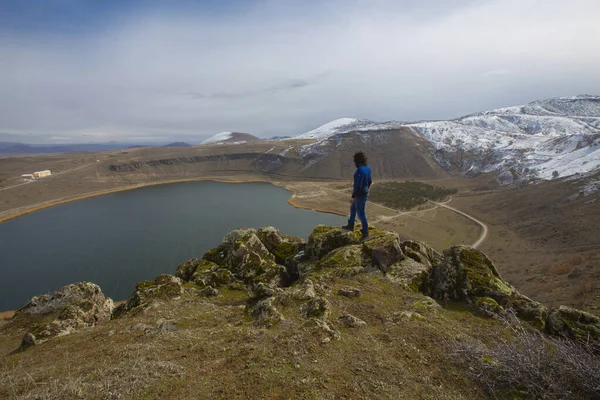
358 207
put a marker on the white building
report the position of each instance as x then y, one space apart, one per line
41 174
27 177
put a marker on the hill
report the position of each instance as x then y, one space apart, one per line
544 139
178 144
265 315
230 137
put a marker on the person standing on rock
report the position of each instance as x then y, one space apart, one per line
360 195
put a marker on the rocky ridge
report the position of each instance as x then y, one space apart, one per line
283 274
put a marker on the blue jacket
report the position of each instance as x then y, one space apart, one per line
362 181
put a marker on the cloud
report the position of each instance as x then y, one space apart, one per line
282 67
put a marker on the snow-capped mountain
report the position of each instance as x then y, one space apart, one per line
231 138
345 125
543 139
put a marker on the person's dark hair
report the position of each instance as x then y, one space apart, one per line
360 159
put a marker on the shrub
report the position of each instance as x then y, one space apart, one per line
406 195
531 365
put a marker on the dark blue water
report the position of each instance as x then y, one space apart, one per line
119 239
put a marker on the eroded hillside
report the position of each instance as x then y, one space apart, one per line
266 315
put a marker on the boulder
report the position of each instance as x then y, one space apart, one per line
283 247
411 275
71 307
467 274
263 311
164 287
350 321
324 239
421 253
347 261
187 269
318 307
575 324
384 250
244 255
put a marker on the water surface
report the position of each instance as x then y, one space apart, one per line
121 238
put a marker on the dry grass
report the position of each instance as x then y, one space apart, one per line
530 365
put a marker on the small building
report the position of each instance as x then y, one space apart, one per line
27 177
41 174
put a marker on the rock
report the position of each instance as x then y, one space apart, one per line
322 329
347 261
244 255
488 305
406 315
139 327
264 312
467 274
426 305
384 250
208 291
71 307
164 287
349 291
319 307
187 269
324 239
411 275
575 324
421 253
163 326
350 321
283 247
261 291
301 291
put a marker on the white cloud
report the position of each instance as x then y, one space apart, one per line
283 69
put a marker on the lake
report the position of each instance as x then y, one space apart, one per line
118 239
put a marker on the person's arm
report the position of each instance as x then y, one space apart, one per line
357 182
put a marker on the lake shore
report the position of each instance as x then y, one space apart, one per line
18 212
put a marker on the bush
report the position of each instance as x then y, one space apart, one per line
406 195
531 365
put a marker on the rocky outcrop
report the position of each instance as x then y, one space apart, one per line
71 307
146 293
467 274
574 324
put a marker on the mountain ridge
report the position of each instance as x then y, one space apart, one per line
543 139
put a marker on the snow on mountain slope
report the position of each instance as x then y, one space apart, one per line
219 137
345 125
543 139
530 141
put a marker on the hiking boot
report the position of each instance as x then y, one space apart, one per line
365 236
348 227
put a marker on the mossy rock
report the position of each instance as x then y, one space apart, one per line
426 305
528 310
384 250
264 313
318 307
488 305
574 324
344 258
164 287
410 275
325 239
421 253
202 272
282 246
466 273
186 269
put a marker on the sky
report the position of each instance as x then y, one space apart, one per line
78 71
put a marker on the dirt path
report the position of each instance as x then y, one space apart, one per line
477 243
484 227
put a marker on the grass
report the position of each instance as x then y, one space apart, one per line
406 195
